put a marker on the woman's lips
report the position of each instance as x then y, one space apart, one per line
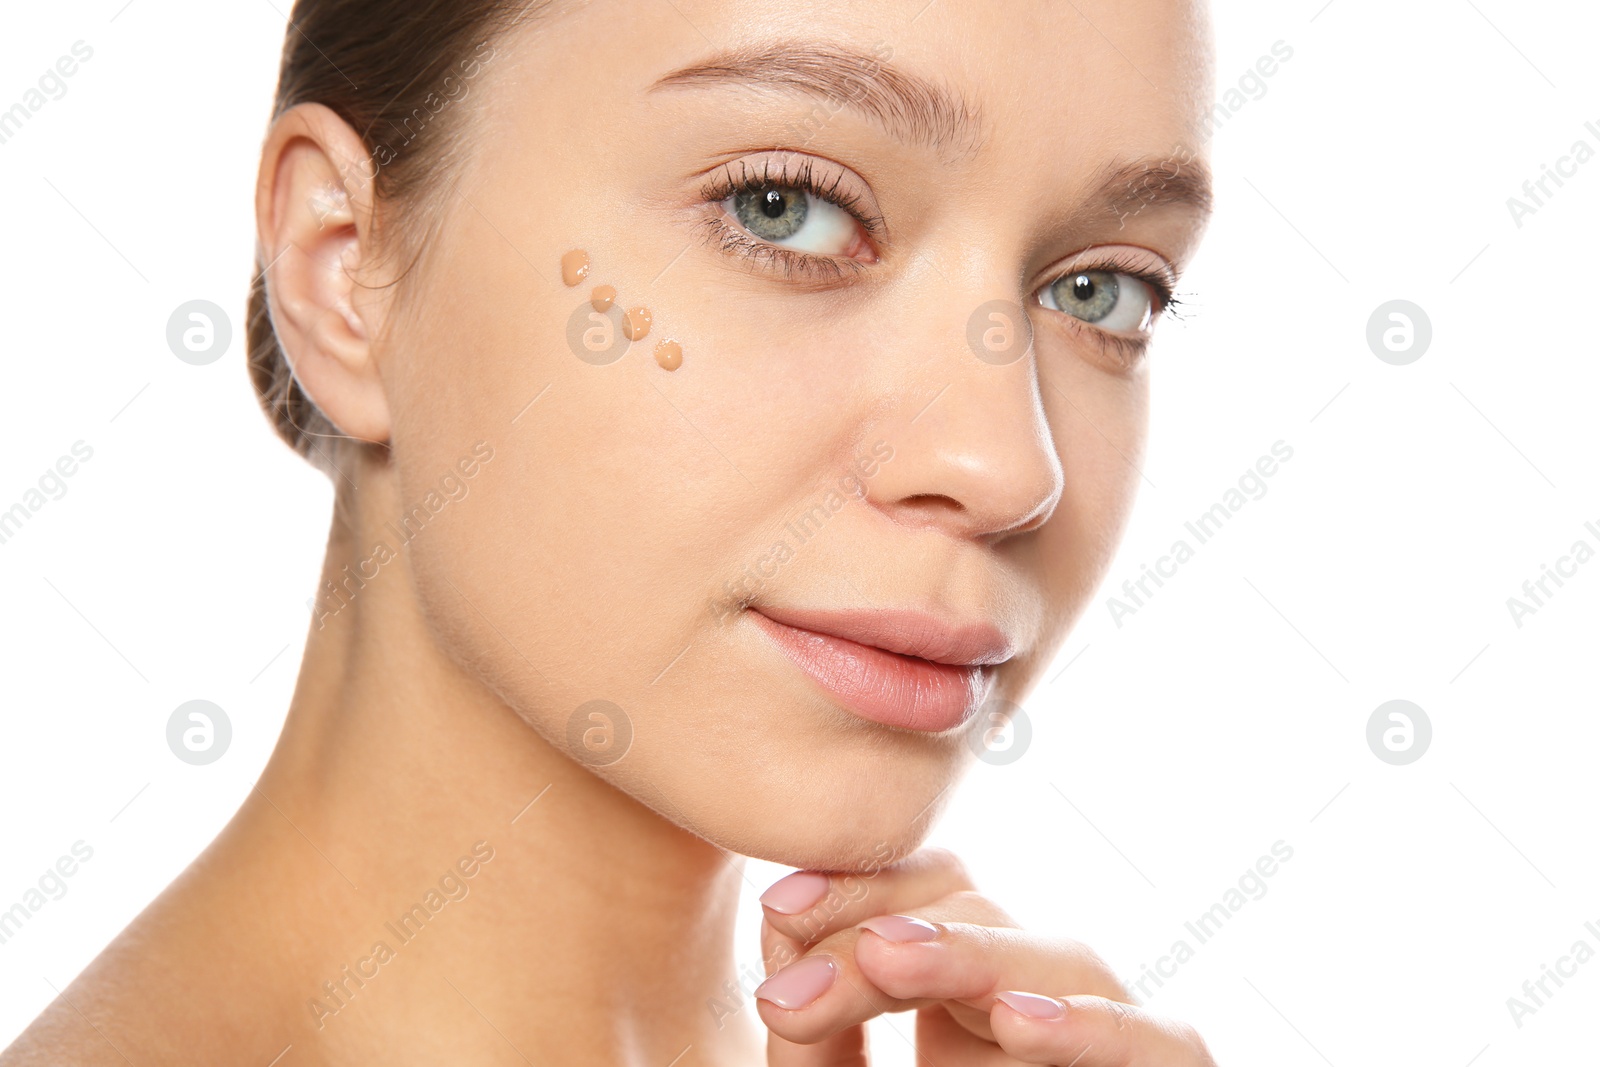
892 687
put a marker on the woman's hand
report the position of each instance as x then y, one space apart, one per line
918 936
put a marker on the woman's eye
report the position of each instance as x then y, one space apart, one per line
1110 300
795 218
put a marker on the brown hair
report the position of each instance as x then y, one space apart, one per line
382 66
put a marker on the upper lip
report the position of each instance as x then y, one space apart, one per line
904 631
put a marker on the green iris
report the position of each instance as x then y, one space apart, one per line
772 214
1089 295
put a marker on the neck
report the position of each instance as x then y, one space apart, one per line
419 862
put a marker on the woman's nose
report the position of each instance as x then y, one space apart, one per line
974 451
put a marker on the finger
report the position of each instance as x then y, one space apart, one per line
824 991
1091 1031
941 1040
964 964
910 957
847 1048
820 995
809 905
778 950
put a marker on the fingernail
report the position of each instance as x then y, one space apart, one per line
796 892
799 983
1032 1004
901 928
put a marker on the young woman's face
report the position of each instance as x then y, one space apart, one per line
838 211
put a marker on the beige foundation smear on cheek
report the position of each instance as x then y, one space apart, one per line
636 321
575 266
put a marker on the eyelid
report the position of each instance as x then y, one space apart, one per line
819 175
1148 266
1156 273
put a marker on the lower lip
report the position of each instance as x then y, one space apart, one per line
886 687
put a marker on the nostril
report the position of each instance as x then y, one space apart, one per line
932 502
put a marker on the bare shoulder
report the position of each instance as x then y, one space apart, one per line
182 982
122 1008
68 1032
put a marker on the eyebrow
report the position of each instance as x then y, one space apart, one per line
916 109
1129 188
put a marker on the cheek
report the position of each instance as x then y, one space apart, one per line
1100 438
584 563
621 494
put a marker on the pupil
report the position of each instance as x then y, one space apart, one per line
1083 287
772 204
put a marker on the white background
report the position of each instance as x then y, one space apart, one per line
1228 714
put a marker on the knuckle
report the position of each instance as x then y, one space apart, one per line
900 975
1083 955
1104 979
1188 1037
1118 1029
969 905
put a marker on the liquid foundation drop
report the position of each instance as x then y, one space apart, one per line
636 323
602 298
575 266
669 354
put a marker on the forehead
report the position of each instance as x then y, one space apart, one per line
1127 70
1064 108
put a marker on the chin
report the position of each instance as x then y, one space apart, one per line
836 806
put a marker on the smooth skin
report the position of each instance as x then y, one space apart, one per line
434 709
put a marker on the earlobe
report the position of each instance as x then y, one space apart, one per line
314 212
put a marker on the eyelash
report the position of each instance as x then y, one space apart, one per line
1126 351
731 237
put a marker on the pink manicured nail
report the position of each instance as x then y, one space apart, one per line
901 928
796 892
1033 1005
799 983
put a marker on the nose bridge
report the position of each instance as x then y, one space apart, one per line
974 450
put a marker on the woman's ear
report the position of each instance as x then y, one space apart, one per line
314 222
